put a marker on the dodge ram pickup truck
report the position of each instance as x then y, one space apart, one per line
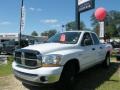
59 59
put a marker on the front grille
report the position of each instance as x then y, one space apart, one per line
30 62
18 57
17 54
27 58
18 60
30 55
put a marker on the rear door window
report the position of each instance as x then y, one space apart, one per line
95 39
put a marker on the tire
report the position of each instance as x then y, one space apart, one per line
30 87
106 62
68 75
27 86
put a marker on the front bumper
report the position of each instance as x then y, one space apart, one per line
43 75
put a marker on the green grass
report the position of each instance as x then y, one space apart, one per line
112 84
96 78
99 78
6 69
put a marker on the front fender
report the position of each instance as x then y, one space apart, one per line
68 55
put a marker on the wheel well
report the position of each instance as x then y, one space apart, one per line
74 61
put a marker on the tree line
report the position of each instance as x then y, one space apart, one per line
69 26
112 25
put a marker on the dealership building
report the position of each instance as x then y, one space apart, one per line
15 37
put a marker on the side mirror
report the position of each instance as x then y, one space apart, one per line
87 42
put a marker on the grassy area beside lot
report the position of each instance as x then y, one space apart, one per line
6 69
96 78
113 83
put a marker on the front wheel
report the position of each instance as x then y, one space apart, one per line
68 75
27 86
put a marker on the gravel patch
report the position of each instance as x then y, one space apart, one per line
10 83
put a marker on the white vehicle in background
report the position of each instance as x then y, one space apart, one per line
60 59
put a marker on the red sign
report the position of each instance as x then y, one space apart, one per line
62 38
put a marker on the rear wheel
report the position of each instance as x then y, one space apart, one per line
106 62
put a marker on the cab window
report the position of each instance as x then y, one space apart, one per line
95 39
87 40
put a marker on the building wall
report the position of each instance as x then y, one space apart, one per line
15 36
8 36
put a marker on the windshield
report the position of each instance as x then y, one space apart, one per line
66 37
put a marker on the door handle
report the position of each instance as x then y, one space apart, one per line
93 49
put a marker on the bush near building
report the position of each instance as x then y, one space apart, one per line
6 69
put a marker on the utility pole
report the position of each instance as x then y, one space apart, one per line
77 15
21 15
63 27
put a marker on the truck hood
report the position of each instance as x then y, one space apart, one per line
46 48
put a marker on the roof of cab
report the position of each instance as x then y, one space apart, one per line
80 31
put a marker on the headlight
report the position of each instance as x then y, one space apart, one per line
51 60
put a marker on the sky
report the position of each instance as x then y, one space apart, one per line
43 15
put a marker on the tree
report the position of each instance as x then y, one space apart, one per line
112 23
49 33
72 26
34 33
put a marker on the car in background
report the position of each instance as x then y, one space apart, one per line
116 49
117 54
115 44
8 47
1 45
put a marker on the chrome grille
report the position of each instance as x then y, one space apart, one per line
30 62
18 57
28 58
30 55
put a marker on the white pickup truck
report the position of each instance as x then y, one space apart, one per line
60 58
